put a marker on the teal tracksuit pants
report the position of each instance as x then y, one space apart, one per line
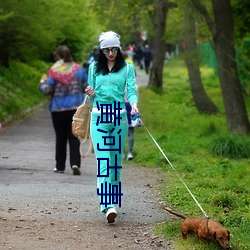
109 140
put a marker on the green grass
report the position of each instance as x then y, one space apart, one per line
214 164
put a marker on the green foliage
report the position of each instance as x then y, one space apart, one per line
243 59
224 200
175 25
175 28
219 183
29 33
241 17
127 17
19 87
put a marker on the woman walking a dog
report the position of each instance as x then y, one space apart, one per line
108 78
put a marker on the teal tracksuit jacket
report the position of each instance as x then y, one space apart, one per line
109 132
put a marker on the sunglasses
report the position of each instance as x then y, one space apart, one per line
106 51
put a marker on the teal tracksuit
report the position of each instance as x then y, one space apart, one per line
107 135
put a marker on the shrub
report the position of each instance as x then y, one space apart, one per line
231 146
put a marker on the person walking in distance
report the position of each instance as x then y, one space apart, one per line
65 83
147 54
108 78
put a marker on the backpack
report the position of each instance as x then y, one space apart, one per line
81 126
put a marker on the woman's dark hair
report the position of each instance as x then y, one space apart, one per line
102 67
63 52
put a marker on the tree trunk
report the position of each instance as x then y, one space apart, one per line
201 99
159 47
235 109
223 38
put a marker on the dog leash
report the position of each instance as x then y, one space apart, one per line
174 170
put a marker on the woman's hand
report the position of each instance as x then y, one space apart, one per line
134 109
90 91
43 79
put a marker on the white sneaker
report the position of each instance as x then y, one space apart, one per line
58 171
111 214
129 156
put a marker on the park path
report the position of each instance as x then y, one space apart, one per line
43 210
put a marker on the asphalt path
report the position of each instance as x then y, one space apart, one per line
26 164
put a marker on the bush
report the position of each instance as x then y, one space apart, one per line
231 146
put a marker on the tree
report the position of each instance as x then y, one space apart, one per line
159 46
28 33
126 17
201 99
223 38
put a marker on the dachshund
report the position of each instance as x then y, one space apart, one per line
204 229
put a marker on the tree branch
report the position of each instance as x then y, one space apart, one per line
202 9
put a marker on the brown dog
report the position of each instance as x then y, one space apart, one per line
204 229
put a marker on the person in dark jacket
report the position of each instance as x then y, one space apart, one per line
147 54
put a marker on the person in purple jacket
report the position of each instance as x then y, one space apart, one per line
65 83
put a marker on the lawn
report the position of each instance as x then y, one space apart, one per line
199 151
